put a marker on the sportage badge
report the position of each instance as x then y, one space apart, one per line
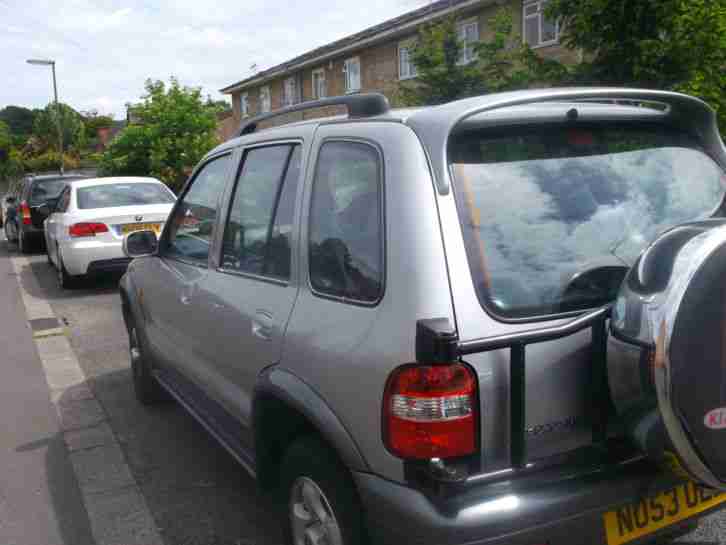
715 419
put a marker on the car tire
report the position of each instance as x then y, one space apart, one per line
66 281
147 389
317 494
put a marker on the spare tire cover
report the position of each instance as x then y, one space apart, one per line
667 354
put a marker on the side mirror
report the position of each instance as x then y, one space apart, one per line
140 244
10 200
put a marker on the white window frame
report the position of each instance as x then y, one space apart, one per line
408 69
539 15
265 99
291 90
461 28
348 87
244 105
318 75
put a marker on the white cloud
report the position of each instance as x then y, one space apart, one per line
106 49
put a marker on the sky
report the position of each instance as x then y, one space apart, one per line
105 49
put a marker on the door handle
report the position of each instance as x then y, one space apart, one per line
185 299
262 325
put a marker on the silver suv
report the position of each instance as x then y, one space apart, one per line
495 320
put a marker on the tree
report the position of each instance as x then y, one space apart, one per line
94 121
500 64
666 44
45 127
175 129
19 121
11 164
219 106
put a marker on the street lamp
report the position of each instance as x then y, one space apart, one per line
47 62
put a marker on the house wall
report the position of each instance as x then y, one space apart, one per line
379 68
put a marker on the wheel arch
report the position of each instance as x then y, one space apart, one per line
285 408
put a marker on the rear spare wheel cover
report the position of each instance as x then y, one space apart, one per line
680 321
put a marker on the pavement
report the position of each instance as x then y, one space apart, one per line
83 463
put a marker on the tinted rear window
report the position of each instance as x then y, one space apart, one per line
553 216
42 190
105 196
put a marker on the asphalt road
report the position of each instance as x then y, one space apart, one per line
196 492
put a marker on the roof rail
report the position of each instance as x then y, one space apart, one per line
359 106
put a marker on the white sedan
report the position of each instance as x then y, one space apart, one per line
84 231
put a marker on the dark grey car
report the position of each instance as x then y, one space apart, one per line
400 321
24 222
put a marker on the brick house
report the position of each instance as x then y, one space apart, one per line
377 58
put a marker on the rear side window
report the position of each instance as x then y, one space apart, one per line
110 195
346 228
259 228
43 190
554 216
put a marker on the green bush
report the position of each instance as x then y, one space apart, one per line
50 160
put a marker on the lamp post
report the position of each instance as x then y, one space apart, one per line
47 62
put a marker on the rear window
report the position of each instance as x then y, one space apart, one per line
105 196
43 190
554 216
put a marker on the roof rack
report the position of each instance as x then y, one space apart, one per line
359 106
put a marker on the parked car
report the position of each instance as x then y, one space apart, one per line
5 202
25 224
85 229
399 321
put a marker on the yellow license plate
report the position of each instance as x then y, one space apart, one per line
131 227
651 514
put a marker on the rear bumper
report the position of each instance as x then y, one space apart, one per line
566 511
92 256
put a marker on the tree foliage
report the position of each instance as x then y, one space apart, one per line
11 165
45 128
176 128
19 121
666 44
94 121
502 63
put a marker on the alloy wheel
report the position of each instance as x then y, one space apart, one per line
312 519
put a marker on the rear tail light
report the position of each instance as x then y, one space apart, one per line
87 229
25 213
429 411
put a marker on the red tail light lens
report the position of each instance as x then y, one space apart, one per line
430 411
87 229
25 213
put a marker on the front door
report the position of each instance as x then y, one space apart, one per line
174 328
249 298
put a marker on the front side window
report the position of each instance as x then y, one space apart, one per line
554 216
352 75
319 87
538 29
265 102
109 195
257 236
192 225
468 32
345 235
406 67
